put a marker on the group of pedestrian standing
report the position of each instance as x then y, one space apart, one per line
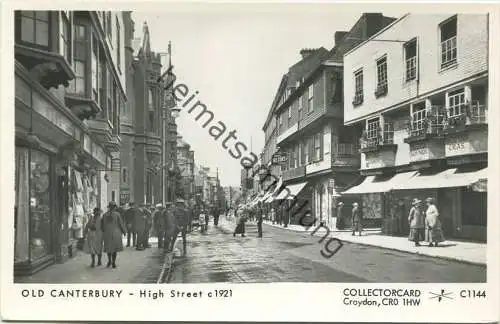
104 234
424 223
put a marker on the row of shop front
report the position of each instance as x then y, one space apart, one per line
60 176
460 194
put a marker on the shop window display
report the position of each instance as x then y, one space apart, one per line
21 207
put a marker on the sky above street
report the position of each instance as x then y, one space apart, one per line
235 56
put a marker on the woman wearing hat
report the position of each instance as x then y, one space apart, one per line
433 231
416 221
93 234
113 228
356 219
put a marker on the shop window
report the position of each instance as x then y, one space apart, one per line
448 31
474 208
34 27
21 206
39 205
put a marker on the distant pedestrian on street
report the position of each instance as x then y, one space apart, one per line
207 217
433 230
181 219
216 214
416 221
149 224
170 227
130 220
260 218
356 219
140 228
340 223
94 242
159 224
113 229
240 224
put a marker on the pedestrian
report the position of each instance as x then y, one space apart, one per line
433 230
140 228
416 221
356 219
149 224
113 228
181 220
216 213
240 224
159 224
129 220
94 242
170 227
339 222
259 222
207 218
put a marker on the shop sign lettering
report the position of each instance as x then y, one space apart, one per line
419 152
457 146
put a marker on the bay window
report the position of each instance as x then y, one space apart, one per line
372 128
65 41
109 96
456 103
78 84
318 147
118 46
310 98
418 117
95 70
34 27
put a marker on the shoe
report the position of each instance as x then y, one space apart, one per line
92 265
114 265
99 263
108 265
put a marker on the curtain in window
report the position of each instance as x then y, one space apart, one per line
22 212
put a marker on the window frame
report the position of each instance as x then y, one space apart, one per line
310 98
19 17
458 108
118 46
449 48
67 40
372 132
413 60
381 81
82 58
418 116
358 86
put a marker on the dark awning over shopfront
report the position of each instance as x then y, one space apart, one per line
290 191
378 184
447 179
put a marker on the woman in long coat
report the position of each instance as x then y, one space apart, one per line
416 221
240 223
93 233
113 229
433 230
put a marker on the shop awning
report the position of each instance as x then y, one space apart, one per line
290 191
380 183
446 179
273 192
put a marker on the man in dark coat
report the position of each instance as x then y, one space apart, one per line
181 218
129 221
260 213
159 224
140 228
356 219
216 213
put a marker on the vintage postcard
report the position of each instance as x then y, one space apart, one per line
284 161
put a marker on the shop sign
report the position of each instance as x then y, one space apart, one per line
457 146
87 144
419 152
47 110
99 154
373 161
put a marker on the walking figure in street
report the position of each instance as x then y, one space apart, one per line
240 224
159 224
356 219
140 227
181 225
340 223
130 222
260 219
216 213
433 232
94 242
113 229
416 221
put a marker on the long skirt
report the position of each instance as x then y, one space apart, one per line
240 228
93 243
434 234
113 241
416 234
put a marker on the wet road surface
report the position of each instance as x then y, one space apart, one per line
286 256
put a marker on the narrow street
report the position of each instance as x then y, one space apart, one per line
285 256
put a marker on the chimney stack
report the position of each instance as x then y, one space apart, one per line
305 52
338 36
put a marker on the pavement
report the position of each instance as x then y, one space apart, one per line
288 256
132 267
470 252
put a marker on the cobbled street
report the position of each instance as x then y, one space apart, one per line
285 256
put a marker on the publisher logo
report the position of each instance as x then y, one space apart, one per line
443 294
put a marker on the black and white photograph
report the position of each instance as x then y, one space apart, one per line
185 144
